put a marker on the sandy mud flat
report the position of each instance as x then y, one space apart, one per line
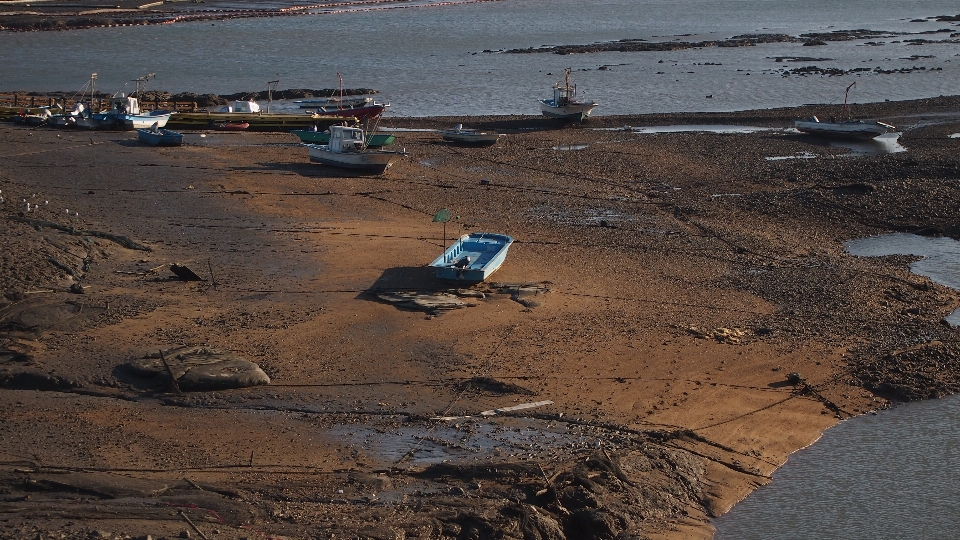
676 316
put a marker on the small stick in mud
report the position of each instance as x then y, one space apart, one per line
213 279
173 380
188 520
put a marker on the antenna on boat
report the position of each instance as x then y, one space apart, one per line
271 86
142 82
93 86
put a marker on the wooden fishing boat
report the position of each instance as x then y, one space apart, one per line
844 128
375 140
361 108
343 101
566 104
473 257
39 118
347 149
155 136
125 113
470 137
362 112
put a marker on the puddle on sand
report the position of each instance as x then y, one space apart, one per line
798 155
706 128
955 136
424 444
940 262
884 144
570 147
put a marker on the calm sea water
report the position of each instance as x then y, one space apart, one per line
894 475
430 61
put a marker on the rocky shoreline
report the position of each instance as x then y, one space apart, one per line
676 317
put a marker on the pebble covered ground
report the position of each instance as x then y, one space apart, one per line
677 315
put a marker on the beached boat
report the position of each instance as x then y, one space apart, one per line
362 112
39 118
471 137
374 140
473 257
342 106
343 101
155 136
566 104
125 113
348 149
844 128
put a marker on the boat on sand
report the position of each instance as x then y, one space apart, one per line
566 104
845 127
473 257
348 149
471 137
374 140
156 136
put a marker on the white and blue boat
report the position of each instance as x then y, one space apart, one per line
473 257
566 104
125 113
156 136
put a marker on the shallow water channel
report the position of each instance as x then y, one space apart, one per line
895 474
892 475
940 262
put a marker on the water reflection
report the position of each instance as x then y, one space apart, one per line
940 262
888 143
705 128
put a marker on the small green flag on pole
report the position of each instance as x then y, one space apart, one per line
442 216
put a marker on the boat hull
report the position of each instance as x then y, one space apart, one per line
160 137
362 113
323 137
372 161
255 121
472 258
576 112
470 138
844 130
144 121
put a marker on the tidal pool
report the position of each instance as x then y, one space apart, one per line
940 262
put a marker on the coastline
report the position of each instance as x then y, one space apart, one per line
674 281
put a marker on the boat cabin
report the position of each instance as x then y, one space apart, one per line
241 107
124 104
346 139
564 94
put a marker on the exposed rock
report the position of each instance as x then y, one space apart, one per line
200 368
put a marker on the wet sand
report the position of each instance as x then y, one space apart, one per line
684 303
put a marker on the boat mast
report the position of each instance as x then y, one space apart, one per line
340 103
271 86
846 110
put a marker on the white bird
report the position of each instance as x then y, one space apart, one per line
67 210
46 203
